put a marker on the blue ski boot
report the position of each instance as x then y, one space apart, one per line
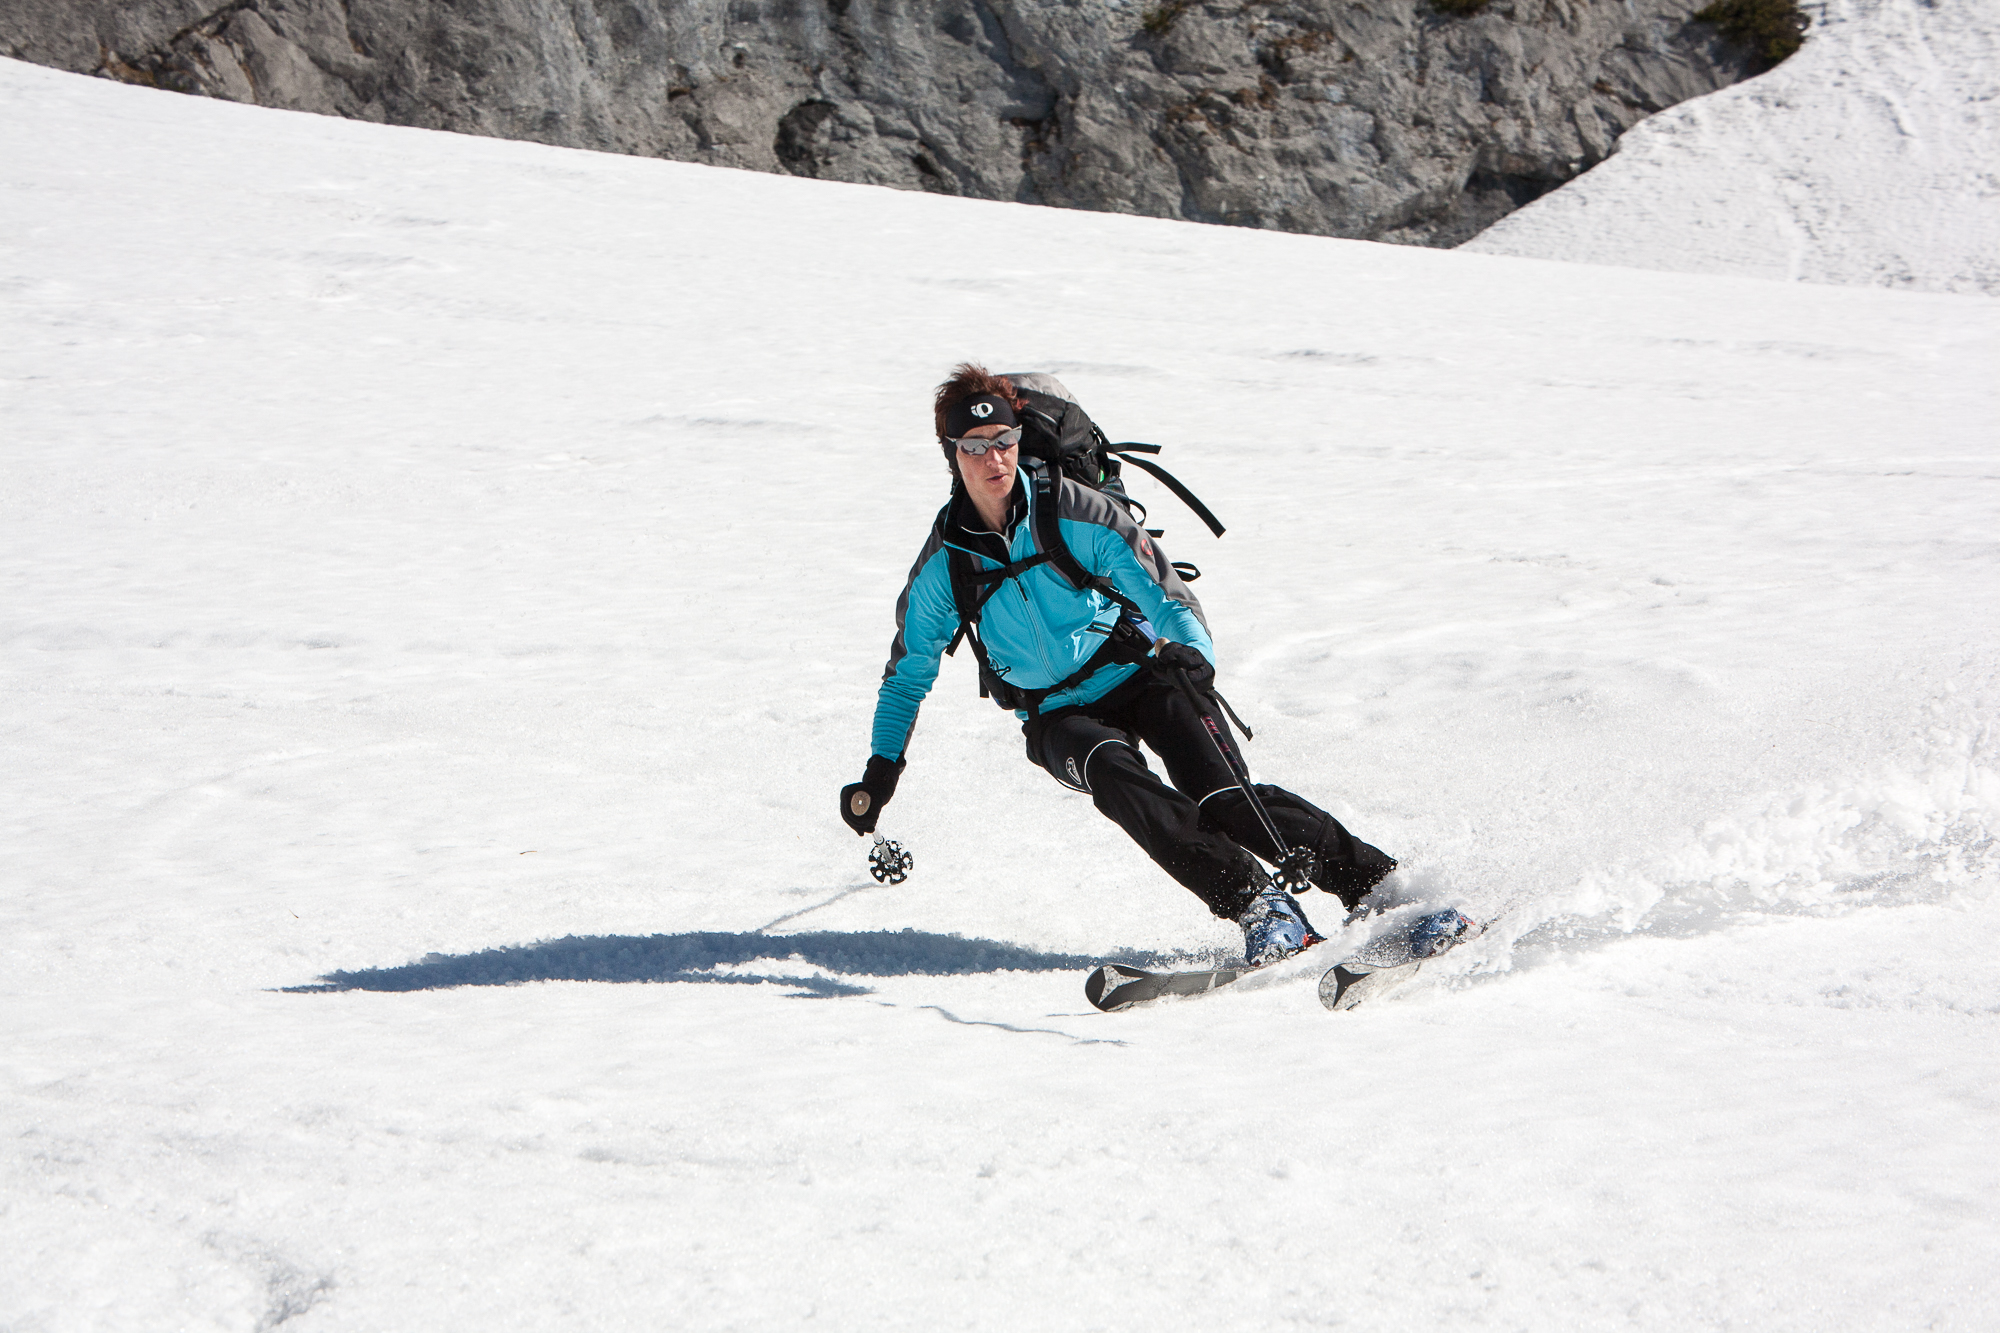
1274 927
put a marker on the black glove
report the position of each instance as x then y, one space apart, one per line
1169 656
861 802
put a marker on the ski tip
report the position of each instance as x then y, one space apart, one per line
1101 987
1343 988
1334 986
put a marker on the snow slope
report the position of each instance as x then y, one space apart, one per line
429 563
1871 157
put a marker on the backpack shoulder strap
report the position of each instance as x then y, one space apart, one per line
1047 517
964 595
1046 510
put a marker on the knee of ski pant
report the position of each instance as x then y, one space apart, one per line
1036 736
1224 806
1109 760
1068 747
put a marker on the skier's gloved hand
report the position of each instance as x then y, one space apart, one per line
1169 656
861 802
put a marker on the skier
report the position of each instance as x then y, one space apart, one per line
1090 683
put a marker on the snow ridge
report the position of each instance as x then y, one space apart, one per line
1871 157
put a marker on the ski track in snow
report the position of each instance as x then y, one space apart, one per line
450 577
1871 157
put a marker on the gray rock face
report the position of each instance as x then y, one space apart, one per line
1384 119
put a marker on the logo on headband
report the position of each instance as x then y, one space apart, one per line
982 410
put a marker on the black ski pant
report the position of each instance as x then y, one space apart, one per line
1198 824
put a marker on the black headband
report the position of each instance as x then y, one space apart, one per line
985 410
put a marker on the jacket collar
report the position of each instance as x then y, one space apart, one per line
967 529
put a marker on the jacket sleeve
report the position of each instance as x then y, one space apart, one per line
1137 566
926 618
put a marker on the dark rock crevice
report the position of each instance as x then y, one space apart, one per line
798 135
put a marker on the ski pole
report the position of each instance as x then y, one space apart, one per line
888 862
1294 863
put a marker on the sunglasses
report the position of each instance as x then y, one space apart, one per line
973 445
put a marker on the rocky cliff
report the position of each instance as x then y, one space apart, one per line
1401 120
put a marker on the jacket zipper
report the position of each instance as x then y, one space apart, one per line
1028 605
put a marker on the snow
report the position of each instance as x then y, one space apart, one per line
1871 157
438 562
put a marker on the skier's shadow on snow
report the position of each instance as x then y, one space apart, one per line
695 956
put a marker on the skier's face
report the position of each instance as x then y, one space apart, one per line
991 474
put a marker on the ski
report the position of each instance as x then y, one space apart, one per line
1115 986
1386 963
1379 966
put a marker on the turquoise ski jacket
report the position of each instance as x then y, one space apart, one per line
1038 627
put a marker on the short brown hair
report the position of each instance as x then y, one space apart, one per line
969 381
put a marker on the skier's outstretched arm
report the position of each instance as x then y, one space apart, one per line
925 621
